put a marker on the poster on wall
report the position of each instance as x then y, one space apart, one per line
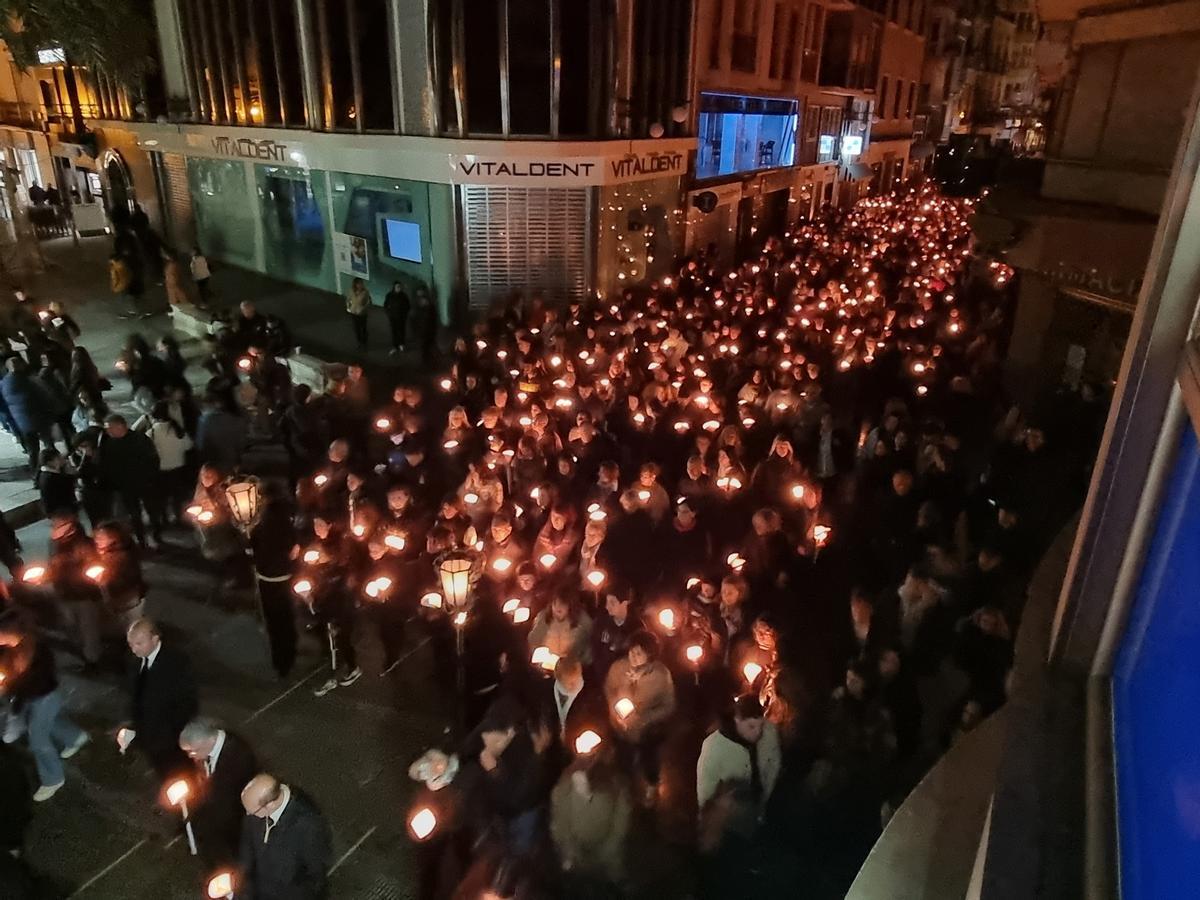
351 253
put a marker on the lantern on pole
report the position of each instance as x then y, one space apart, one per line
457 573
244 496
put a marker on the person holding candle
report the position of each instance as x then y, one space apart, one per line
645 683
162 698
591 815
564 629
224 764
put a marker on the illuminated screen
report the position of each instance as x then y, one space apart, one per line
403 240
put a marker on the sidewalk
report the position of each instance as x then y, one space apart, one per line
78 276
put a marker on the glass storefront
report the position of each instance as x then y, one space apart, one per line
296 241
225 220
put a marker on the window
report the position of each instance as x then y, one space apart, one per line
883 89
744 56
830 133
778 37
912 94
793 40
741 134
897 96
718 29
529 65
814 23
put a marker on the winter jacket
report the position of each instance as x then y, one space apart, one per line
28 403
128 464
651 690
724 761
172 449
591 832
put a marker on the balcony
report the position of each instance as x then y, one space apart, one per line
22 115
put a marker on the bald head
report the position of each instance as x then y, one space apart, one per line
143 637
262 796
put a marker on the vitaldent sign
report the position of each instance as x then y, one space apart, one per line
568 171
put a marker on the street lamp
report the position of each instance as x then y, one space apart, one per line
457 571
243 495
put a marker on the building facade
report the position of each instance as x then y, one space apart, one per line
787 108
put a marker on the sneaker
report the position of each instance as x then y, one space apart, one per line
79 743
46 791
324 689
350 677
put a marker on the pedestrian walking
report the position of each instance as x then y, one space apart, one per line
224 765
201 275
130 465
30 408
31 685
272 541
286 848
396 305
162 699
358 303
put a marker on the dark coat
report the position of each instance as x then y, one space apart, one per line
28 403
218 815
588 712
128 464
163 700
292 864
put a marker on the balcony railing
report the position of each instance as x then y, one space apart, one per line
25 115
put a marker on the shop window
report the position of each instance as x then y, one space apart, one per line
745 35
741 134
365 208
529 66
375 64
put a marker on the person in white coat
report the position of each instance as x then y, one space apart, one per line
172 444
737 772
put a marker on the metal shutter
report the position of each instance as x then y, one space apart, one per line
525 239
178 213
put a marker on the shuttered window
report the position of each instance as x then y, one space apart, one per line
525 239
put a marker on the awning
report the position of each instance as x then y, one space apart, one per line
921 149
859 171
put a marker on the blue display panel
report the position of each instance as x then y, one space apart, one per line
1156 703
403 240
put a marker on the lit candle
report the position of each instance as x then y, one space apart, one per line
797 492
544 658
423 823
521 615
502 564
511 606
321 480
220 886
205 517
694 653
383 423
666 618
33 574
432 600
751 671
587 742
94 573
303 587
548 559
595 578
624 708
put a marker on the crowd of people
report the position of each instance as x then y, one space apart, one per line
743 550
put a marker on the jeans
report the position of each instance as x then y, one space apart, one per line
49 732
521 832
